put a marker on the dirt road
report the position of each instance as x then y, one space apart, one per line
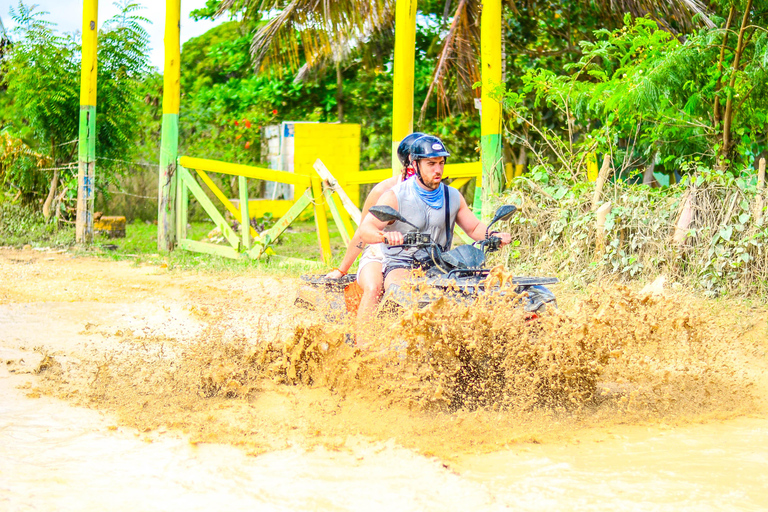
136 388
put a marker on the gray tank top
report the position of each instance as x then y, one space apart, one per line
428 220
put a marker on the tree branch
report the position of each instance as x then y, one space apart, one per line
728 121
720 66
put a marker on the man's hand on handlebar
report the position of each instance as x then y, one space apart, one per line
392 237
505 237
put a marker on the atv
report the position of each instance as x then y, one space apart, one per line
458 274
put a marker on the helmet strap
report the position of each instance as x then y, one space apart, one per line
417 166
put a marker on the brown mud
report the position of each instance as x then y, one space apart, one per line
228 359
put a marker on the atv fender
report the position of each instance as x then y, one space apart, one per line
333 297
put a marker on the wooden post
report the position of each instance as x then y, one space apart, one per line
182 209
349 206
345 219
600 215
245 217
169 145
683 219
343 228
490 117
321 219
402 82
592 170
602 177
759 200
86 161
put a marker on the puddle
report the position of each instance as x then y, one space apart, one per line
58 457
197 401
715 466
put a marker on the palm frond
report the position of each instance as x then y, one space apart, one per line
320 29
671 15
306 35
459 54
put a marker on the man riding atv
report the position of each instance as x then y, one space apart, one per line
370 275
426 202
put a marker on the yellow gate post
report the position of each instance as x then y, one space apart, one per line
490 117
321 219
169 145
403 75
86 158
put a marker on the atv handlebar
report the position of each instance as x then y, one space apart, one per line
414 239
491 244
423 240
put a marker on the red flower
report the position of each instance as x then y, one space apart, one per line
236 123
247 144
247 123
274 112
238 136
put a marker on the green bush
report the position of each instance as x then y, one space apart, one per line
724 250
24 224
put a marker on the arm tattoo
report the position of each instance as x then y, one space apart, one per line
360 245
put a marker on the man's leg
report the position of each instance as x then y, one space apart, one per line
396 276
371 280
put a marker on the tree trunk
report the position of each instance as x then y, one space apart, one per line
728 117
601 214
522 158
648 177
56 207
51 195
339 92
446 13
602 177
720 66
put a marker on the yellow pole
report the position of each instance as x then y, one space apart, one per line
86 165
490 117
321 220
402 86
169 145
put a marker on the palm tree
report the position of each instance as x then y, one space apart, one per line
461 44
329 31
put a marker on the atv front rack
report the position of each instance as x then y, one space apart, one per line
319 280
519 281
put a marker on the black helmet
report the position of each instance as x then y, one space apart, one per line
428 146
404 149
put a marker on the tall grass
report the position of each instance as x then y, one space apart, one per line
724 250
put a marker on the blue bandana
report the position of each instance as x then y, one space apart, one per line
434 198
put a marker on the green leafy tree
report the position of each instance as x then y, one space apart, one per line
42 77
42 73
225 102
645 96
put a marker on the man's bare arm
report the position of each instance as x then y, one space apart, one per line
469 223
472 225
371 228
356 245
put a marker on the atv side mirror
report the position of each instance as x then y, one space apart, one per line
504 212
386 213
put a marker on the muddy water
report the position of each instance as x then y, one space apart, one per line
56 457
622 402
716 466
